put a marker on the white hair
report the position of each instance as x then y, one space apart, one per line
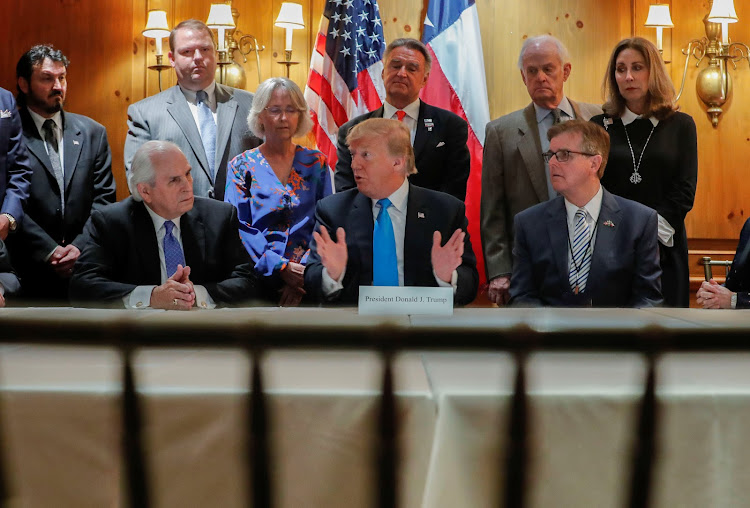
562 51
142 167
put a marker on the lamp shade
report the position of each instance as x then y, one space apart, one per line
290 16
156 25
220 16
658 16
723 11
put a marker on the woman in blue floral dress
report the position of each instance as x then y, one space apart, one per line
275 188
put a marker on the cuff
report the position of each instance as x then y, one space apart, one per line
330 286
441 283
665 232
139 298
202 299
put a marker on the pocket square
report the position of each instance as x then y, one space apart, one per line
442 143
5 113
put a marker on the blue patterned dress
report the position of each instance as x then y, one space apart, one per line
277 221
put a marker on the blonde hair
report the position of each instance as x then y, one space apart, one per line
660 101
396 135
262 97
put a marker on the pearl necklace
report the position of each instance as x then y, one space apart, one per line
635 178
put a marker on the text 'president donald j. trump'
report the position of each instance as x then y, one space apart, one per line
388 232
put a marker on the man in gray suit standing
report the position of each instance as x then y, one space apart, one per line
514 173
207 120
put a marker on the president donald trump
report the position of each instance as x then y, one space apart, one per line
387 231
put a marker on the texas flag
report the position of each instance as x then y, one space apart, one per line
457 83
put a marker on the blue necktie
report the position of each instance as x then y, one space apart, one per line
173 255
208 129
581 262
384 260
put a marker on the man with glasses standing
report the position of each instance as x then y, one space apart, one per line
585 247
514 175
204 118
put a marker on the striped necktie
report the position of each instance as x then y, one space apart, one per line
580 264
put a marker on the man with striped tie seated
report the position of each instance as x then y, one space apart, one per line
387 231
586 247
162 247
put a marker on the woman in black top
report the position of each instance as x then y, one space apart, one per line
653 156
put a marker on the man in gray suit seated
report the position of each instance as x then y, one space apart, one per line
207 120
514 174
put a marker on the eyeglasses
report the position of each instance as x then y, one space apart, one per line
563 155
276 111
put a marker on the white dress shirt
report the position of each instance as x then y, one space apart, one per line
411 118
192 100
140 297
593 207
665 231
397 212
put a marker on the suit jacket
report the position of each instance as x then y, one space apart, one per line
440 152
625 269
427 211
738 279
15 173
121 253
8 279
89 185
167 116
513 179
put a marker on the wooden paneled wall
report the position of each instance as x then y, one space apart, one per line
109 57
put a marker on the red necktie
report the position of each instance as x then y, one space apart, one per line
400 115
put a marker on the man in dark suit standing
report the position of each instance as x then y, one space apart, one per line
514 174
404 223
735 293
438 136
72 175
586 247
162 247
15 173
207 120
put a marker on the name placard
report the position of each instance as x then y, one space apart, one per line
405 300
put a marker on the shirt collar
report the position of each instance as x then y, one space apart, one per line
159 221
412 110
399 198
593 207
190 95
565 106
629 117
39 121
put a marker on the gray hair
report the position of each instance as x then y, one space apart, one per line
263 96
142 167
562 51
414 45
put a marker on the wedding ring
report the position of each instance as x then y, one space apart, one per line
174 302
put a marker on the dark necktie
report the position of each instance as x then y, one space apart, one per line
208 129
50 138
556 116
384 259
173 255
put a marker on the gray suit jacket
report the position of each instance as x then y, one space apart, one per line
513 179
167 116
625 269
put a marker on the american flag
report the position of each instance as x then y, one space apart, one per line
345 70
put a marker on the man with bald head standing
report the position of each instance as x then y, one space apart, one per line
207 120
387 231
514 173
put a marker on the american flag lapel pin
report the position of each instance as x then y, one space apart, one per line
608 223
428 124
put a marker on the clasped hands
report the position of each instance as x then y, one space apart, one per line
63 259
293 290
445 259
712 295
177 293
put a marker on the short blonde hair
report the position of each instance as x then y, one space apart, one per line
397 136
263 96
660 101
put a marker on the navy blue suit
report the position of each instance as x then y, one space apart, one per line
427 211
625 268
15 172
738 279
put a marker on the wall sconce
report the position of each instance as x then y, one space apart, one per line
220 19
659 18
157 28
714 84
290 18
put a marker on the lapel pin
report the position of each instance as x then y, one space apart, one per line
607 122
420 215
5 113
608 223
428 124
76 142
